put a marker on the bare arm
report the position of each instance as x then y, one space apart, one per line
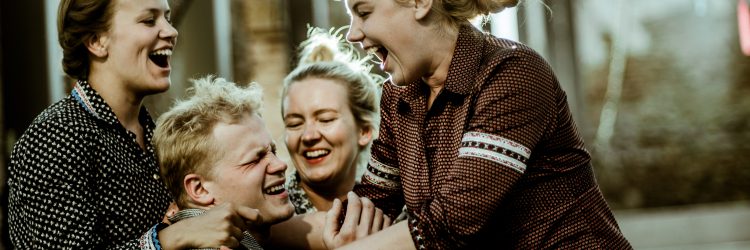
396 237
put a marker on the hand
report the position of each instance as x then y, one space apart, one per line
362 219
171 211
221 226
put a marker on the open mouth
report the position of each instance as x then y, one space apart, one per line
160 57
380 52
316 154
274 190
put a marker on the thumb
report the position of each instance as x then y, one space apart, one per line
250 215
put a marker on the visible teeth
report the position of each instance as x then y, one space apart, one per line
372 50
162 52
316 153
275 189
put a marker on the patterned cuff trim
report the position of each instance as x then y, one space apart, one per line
496 149
382 175
150 240
417 233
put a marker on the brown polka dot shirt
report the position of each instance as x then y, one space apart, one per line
496 161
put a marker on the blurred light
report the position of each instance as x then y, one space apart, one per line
700 7
503 24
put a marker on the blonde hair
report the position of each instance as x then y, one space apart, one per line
458 11
183 136
325 55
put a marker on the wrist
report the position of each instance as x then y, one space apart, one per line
169 239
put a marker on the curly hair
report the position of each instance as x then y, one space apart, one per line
183 137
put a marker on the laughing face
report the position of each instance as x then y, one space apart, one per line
138 46
248 172
322 136
386 29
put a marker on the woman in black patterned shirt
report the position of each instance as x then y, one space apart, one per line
84 174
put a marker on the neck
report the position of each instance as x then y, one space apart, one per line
322 197
124 103
441 61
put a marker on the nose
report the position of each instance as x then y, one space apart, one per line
311 134
276 165
355 33
168 32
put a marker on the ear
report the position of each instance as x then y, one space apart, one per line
365 136
195 187
422 8
97 45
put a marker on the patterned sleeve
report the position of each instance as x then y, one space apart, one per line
511 110
381 182
51 187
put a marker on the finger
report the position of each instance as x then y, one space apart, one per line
331 226
236 233
377 221
224 248
250 215
387 221
231 243
365 218
353 211
230 214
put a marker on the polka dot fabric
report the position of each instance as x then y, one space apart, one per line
521 178
79 181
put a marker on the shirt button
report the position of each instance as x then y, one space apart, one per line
156 176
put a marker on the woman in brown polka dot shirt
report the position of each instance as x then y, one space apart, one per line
477 141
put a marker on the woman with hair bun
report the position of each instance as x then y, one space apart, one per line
477 143
330 111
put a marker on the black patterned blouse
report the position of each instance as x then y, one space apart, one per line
496 161
79 180
297 195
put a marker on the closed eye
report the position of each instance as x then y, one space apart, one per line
149 21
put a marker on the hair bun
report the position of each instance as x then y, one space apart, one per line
324 46
329 46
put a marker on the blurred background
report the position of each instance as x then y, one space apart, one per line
660 91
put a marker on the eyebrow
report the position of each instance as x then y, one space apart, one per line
355 5
158 10
316 112
252 155
320 111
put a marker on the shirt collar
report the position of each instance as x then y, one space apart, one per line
466 61
464 66
248 241
90 99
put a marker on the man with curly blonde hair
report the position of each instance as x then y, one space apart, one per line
215 150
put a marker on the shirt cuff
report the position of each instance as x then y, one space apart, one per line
150 239
416 230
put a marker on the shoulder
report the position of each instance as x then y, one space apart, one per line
510 65
62 127
500 51
63 116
